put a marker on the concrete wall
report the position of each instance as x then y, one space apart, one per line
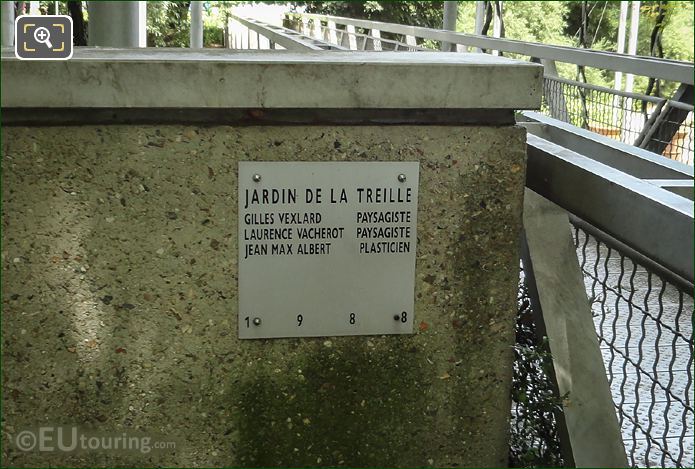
119 260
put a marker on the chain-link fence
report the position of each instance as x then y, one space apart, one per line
645 329
659 125
644 324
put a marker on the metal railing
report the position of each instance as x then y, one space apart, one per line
664 69
621 115
632 118
249 33
645 330
642 310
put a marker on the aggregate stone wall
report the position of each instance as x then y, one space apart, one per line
119 262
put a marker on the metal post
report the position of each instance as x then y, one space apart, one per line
450 16
622 23
317 31
618 112
632 44
115 24
7 24
497 26
332 35
196 40
142 23
376 39
351 37
479 20
479 17
411 41
556 101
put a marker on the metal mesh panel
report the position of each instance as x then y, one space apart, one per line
645 329
616 116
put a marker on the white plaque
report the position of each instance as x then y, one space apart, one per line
326 249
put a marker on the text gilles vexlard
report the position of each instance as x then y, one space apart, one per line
287 232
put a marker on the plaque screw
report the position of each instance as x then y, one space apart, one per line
401 177
256 321
396 317
256 178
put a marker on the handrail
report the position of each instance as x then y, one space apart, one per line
277 35
625 94
397 44
670 70
647 218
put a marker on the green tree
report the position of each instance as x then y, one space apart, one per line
429 14
168 24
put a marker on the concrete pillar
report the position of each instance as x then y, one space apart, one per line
196 25
7 24
115 24
450 16
166 264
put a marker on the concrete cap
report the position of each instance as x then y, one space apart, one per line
221 78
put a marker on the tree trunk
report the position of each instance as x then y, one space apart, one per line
656 50
79 28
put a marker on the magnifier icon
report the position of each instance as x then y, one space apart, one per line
43 36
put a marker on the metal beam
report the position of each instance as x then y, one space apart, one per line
670 70
667 122
621 156
651 220
589 429
287 38
682 187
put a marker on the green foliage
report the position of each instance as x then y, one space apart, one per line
213 36
677 38
536 21
533 440
428 14
168 24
